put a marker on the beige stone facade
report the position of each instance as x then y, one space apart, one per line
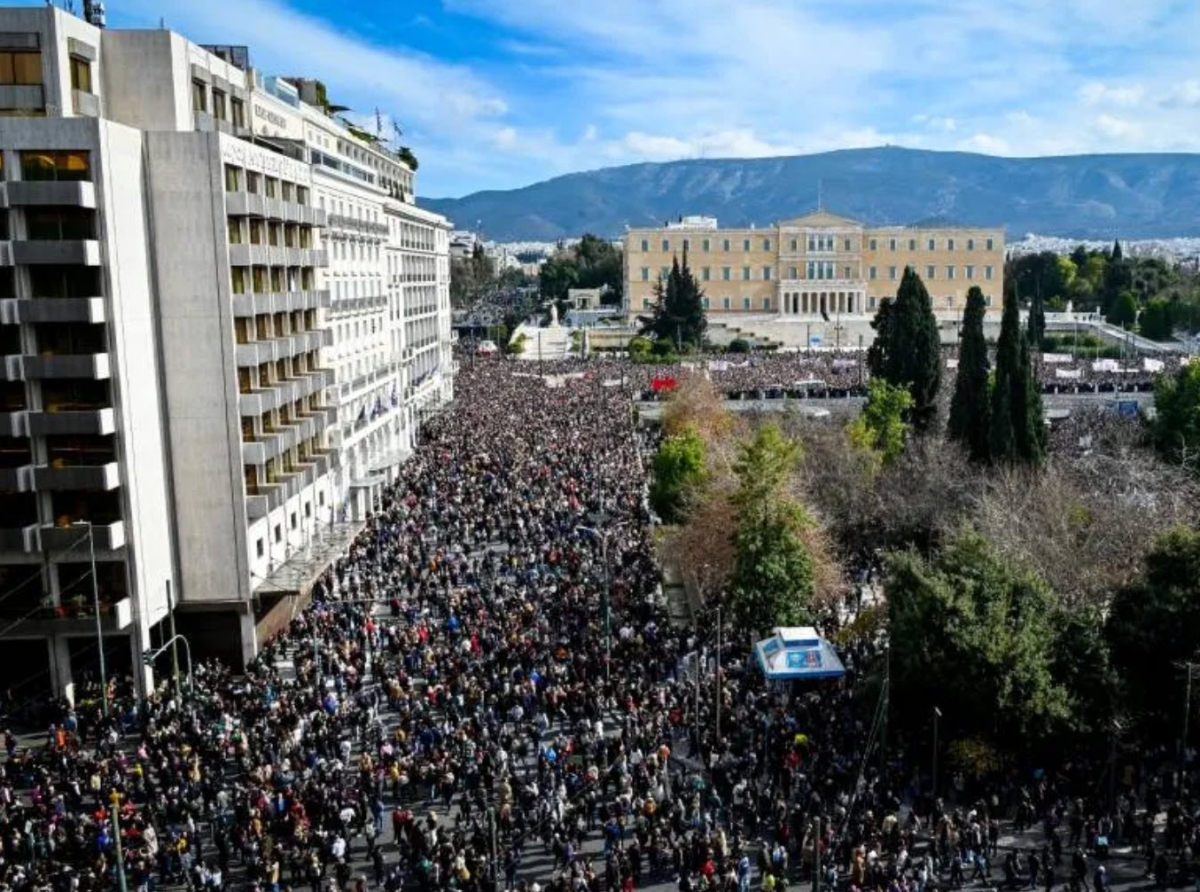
819 264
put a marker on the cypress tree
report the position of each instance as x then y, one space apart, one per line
970 407
877 353
1018 431
678 312
1036 328
912 351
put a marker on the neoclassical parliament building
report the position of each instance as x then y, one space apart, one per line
816 266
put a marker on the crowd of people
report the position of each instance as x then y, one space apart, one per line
486 693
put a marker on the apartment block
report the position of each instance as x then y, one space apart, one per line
814 266
209 308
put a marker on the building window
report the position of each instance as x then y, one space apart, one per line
766 274
970 244
258 547
912 244
666 245
794 245
725 303
892 273
745 274
766 244
278 533
645 245
949 244
725 273
293 520
794 272
745 303
766 303
20 68
705 273
846 244
308 509
199 96
235 231
60 166
704 302
930 272
950 300
871 302
845 272
871 273
989 244
950 273
645 274
932 245
706 244
238 274
687 244
218 105
321 499
725 245
252 182
871 243
987 273
891 244
664 272
81 74
970 273
987 300
272 187
745 244
238 112
302 195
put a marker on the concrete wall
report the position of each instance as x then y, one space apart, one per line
149 522
141 86
191 265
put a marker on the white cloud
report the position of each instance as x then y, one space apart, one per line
1118 128
590 132
1095 93
1186 94
987 144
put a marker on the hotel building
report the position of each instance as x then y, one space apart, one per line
816 265
184 381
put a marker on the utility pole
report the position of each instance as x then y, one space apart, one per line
937 714
115 800
174 640
91 535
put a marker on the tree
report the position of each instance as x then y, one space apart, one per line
908 350
556 277
678 468
1118 278
592 262
979 631
880 426
1153 624
1123 309
1176 430
1158 320
678 312
970 407
773 575
1017 423
1035 328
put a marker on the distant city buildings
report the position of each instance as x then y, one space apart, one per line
223 320
816 266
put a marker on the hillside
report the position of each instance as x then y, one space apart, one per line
1081 196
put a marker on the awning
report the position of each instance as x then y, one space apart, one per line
797 652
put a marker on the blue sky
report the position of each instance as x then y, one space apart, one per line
497 94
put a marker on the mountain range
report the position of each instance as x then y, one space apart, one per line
1132 196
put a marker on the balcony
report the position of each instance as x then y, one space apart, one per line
16 479
255 403
108 536
92 366
29 193
255 353
79 478
14 424
52 309
99 422
78 252
22 97
21 539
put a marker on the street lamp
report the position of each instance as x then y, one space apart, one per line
91 534
606 595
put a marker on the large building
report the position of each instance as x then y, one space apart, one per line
220 323
817 265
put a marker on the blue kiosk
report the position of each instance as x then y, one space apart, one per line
797 652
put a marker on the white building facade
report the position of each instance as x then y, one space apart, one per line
213 359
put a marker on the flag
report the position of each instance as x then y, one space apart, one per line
663 383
